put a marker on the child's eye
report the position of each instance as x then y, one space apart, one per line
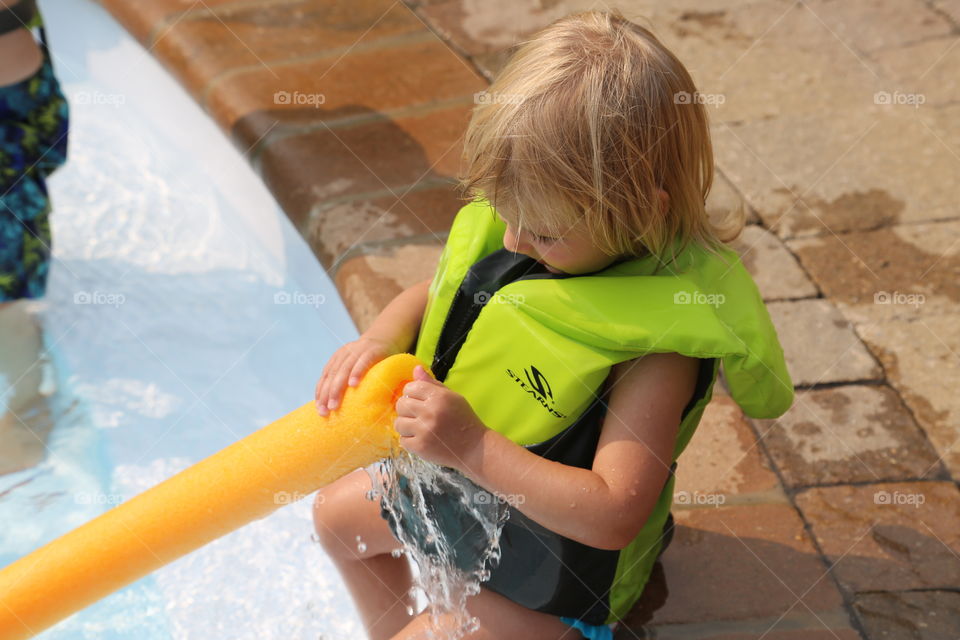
545 239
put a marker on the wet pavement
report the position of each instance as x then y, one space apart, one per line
838 128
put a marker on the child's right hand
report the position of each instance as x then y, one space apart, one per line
348 365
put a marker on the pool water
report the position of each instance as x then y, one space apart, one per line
183 313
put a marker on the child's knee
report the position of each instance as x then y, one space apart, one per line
336 516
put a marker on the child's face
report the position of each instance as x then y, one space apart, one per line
572 252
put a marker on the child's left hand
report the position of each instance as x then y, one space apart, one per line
437 423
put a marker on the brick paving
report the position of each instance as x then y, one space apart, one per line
838 130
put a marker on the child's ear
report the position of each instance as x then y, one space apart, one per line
664 200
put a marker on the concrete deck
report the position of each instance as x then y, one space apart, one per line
840 520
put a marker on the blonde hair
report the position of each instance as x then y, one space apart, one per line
589 119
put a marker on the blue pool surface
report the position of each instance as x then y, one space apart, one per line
183 313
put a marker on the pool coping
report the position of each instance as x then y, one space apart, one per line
368 175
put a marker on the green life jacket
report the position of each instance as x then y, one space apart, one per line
531 351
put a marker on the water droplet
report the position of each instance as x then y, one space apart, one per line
409 610
573 504
396 553
314 537
633 492
361 545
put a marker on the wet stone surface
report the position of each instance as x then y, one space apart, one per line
924 615
722 463
736 563
810 175
851 433
369 282
888 536
904 271
921 361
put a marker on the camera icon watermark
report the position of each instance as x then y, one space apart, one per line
99 98
698 297
710 99
899 497
299 98
299 297
99 298
898 98
487 97
96 497
700 499
289 497
898 297
512 499
487 297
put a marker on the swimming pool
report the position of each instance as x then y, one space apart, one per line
183 313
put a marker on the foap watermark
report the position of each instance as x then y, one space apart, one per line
299 297
95 497
487 97
899 98
698 297
899 297
512 499
299 98
289 497
711 99
488 297
98 97
899 497
99 298
700 499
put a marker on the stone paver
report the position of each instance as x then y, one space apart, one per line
370 282
922 361
773 267
832 626
368 83
926 68
852 433
723 198
335 227
871 166
927 615
888 536
393 154
903 271
144 19
205 44
722 464
737 563
838 356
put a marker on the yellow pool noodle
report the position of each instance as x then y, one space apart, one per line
288 459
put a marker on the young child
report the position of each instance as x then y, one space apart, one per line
575 326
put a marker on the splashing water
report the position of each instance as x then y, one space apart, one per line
449 526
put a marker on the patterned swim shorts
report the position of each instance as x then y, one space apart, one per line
34 121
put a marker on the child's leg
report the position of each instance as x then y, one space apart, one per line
499 618
378 582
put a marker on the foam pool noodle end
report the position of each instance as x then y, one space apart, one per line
284 461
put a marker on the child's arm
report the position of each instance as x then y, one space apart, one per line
603 507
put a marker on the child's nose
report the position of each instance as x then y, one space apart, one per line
515 242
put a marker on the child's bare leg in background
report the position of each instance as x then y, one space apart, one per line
25 420
378 582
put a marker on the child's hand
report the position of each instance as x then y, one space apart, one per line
347 365
437 423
